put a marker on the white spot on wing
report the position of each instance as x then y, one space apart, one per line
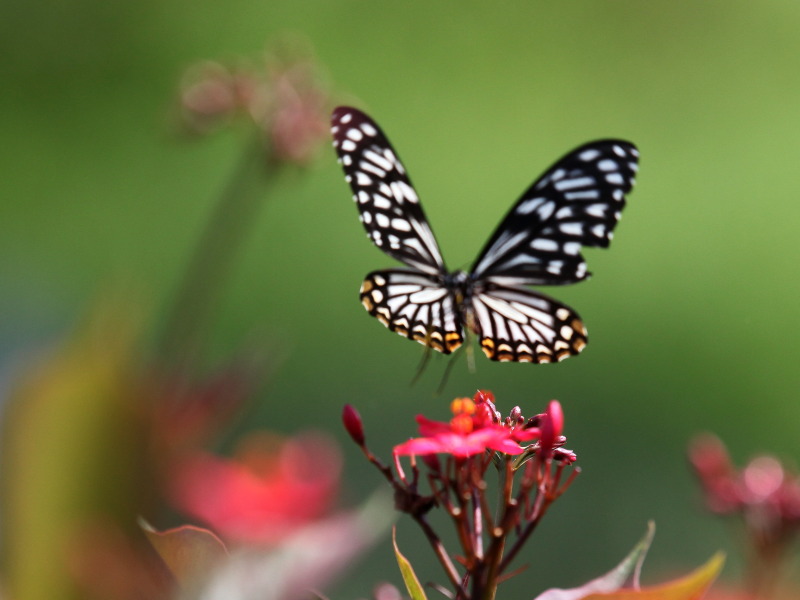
409 192
381 202
378 160
428 295
571 228
564 212
368 166
530 205
608 165
568 184
596 210
582 195
401 225
544 244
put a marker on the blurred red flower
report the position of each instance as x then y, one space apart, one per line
272 487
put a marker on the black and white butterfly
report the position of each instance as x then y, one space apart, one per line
576 203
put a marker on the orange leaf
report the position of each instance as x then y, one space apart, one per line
691 587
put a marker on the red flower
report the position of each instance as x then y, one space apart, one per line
472 430
270 490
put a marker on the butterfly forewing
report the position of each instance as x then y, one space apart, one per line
415 305
387 202
577 202
518 324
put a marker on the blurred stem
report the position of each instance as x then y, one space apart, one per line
764 569
210 263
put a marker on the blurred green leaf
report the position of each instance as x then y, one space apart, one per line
73 452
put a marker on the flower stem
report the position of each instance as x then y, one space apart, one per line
540 505
211 261
441 553
485 583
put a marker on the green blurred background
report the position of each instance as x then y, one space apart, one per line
690 312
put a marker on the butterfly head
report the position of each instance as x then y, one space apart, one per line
458 282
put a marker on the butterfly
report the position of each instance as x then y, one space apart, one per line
575 203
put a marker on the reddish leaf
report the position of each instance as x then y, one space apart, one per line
187 550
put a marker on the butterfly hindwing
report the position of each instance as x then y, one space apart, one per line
387 202
576 203
415 305
518 324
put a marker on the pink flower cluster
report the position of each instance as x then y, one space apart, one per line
764 493
284 97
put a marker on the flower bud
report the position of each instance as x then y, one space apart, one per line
353 425
551 425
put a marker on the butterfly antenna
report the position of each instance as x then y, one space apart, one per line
447 370
426 356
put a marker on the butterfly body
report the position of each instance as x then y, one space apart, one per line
576 203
